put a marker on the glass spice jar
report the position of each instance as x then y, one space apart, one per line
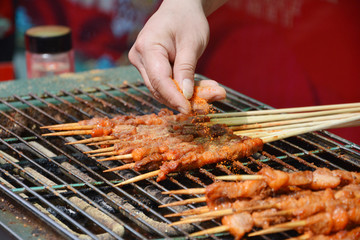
48 51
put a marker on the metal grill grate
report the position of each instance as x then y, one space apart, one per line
69 193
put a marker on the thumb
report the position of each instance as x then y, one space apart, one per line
184 70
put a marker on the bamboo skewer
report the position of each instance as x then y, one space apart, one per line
91 140
187 191
192 220
61 125
105 153
291 133
282 127
69 133
107 142
123 167
220 213
100 150
219 229
138 178
277 117
240 177
121 157
75 127
194 211
275 229
285 110
184 202
280 228
290 122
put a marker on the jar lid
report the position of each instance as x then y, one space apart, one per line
48 39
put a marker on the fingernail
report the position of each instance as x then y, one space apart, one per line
188 88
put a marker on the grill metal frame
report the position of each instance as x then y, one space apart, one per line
307 151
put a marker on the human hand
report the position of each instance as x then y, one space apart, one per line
168 47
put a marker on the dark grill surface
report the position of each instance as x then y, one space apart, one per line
66 191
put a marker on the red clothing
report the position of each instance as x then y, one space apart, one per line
288 53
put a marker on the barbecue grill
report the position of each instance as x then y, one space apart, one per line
50 190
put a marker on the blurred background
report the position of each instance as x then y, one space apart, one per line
285 53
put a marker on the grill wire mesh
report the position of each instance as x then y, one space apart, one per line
69 192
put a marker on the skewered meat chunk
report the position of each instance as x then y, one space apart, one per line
163 117
216 151
321 178
353 234
238 224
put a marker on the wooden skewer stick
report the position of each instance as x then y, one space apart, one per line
290 133
270 118
123 167
280 228
187 191
240 177
120 157
291 121
184 202
285 110
264 131
69 133
61 125
194 211
229 211
100 150
79 127
91 140
138 178
102 154
107 142
192 220
219 229
282 127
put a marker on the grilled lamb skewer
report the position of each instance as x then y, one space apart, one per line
353 234
275 180
300 204
327 211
